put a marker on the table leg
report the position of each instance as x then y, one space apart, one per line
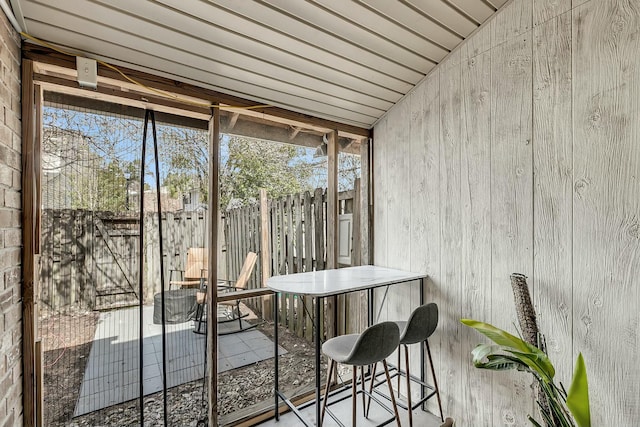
369 307
424 406
275 353
369 319
318 305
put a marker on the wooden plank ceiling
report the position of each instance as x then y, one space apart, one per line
346 61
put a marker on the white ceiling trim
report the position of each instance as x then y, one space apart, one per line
346 61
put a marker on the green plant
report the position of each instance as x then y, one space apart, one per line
562 409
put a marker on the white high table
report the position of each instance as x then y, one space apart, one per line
320 284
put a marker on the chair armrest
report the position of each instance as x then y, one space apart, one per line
229 288
245 293
229 284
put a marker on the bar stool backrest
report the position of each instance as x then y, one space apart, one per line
421 324
377 342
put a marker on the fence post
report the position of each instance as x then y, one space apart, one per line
356 258
265 256
365 215
332 227
364 246
354 312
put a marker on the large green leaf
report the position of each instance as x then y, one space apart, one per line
537 359
578 397
483 350
538 362
497 335
502 362
555 405
486 356
534 422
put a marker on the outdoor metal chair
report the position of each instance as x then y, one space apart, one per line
374 345
233 312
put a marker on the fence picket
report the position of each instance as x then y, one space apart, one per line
256 281
236 243
308 261
273 216
290 267
297 199
318 208
282 256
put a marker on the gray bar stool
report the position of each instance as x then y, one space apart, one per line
417 329
374 345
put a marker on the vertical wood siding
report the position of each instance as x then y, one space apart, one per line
475 194
449 296
606 208
511 204
520 153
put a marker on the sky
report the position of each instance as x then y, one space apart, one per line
118 138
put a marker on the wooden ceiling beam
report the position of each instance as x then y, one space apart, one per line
252 129
233 120
106 93
79 103
294 132
108 100
49 56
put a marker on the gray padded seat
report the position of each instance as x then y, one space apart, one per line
374 345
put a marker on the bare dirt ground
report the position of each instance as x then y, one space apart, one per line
67 343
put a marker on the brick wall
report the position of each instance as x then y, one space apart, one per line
10 228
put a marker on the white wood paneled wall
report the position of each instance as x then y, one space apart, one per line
521 153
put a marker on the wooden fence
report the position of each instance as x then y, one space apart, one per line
297 243
89 260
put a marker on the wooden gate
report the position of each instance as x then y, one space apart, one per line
115 254
90 259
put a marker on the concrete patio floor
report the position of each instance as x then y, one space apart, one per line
112 372
342 410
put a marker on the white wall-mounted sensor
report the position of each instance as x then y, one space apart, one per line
87 72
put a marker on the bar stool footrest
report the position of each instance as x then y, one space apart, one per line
414 379
359 391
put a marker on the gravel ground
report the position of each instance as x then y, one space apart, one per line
242 389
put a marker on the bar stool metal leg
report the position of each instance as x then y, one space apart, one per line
399 365
362 384
406 361
326 389
354 400
373 378
435 382
393 399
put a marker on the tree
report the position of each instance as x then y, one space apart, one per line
112 188
184 153
97 160
250 164
85 157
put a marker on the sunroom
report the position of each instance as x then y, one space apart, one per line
336 167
